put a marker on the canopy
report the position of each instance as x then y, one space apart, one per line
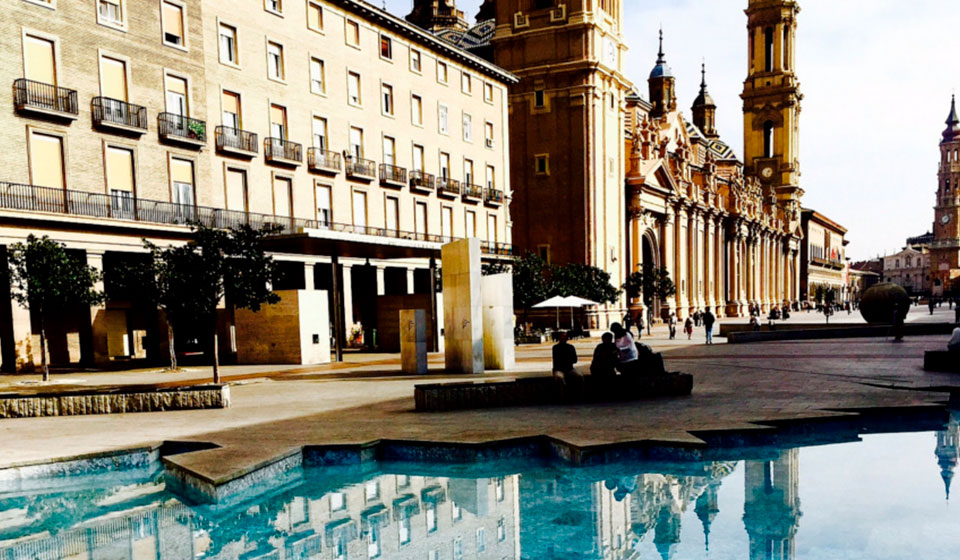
569 301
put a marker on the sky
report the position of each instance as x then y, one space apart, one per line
876 76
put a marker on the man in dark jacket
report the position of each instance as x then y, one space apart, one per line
708 320
606 358
564 358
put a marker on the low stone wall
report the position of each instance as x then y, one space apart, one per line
113 401
941 360
824 332
535 391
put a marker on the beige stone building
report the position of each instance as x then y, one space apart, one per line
368 140
823 259
909 268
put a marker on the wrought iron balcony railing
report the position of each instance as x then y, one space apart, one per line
448 187
278 150
363 169
472 192
423 182
492 197
50 99
178 128
114 113
393 175
323 160
236 141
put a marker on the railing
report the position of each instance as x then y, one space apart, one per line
492 196
323 159
28 94
472 191
358 167
172 125
421 180
278 148
448 186
945 243
229 138
107 110
393 174
16 196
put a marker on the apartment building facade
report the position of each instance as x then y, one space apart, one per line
369 141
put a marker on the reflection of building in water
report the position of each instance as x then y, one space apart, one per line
771 512
948 450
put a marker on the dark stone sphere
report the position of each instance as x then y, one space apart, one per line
878 302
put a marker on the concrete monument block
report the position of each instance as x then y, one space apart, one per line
413 341
462 306
498 347
294 331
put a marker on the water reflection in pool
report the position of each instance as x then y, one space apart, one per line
882 497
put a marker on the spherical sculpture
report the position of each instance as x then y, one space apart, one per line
878 302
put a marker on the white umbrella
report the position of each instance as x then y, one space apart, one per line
570 301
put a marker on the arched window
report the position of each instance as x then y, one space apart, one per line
768 48
786 48
768 139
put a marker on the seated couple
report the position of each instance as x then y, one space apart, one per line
616 352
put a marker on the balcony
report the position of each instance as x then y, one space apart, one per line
236 142
323 161
447 187
45 99
361 169
953 243
119 115
182 130
492 197
282 152
392 176
422 182
472 193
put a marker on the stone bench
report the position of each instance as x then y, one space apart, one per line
533 391
941 360
113 400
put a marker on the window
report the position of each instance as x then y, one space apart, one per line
458 549
317 82
353 33
46 160
236 180
228 44
231 110
467 128
324 211
356 142
466 85
416 110
471 223
113 82
417 158
320 133
275 61
392 208
353 88
542 164
491 228
275 6
120 179
282 196
420 218
442 72
181 179
110 12
172 24
415 59
314 16
40 61
176 96
431 516
488 93
538 98
491 178
768 139
278 121
386 95
456 513
488 134
498 486
446 221
360 218
768 49
433 554
338 501
404 529
444 165
442 120
481 539
386 47
501 530
468 171
389 150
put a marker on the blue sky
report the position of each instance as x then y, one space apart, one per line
876 77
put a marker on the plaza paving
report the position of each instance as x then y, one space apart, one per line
366 399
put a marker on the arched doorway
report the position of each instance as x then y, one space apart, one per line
651 261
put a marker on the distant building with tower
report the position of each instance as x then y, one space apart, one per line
945 248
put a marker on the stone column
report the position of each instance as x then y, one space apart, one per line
308 276
410 281
719 244
667 253
709 282
413 341
347 298
381 289
97 353
462 306
498 344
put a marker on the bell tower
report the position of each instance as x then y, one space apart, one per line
704 109
663 89
945 250
771 98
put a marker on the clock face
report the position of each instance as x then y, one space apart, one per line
610 52
766 172
945 219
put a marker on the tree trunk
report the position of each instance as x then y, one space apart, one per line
173 351
43 350
216 357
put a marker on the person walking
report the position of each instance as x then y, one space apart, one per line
932 305
672 324
696 318
897 329
708 320
688 327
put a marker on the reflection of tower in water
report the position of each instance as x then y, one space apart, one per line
771 512
948 450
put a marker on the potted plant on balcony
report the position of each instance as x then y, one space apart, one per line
196 129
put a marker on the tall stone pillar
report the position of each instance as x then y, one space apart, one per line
709 281
498 343
381 282
719 244
347 298
97 352
410 281
462 306
308 276
667 254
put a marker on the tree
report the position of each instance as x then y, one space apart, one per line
44 277
653 282
529 280
584 281
189 281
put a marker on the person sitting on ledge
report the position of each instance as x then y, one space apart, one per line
564 358
606 358
626 348
954 344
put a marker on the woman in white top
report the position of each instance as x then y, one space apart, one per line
627 348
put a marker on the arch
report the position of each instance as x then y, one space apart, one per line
768 143
650 251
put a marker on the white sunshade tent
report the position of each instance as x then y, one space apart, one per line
559 302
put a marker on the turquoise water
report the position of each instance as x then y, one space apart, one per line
884 497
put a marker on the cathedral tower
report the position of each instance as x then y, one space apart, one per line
945 250
704 109
434 15
771 98
663 91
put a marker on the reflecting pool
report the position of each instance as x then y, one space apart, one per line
883 497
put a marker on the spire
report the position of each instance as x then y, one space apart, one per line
947 475
953 123
661 70
660 59
703 75
704 99
704 109
952 117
